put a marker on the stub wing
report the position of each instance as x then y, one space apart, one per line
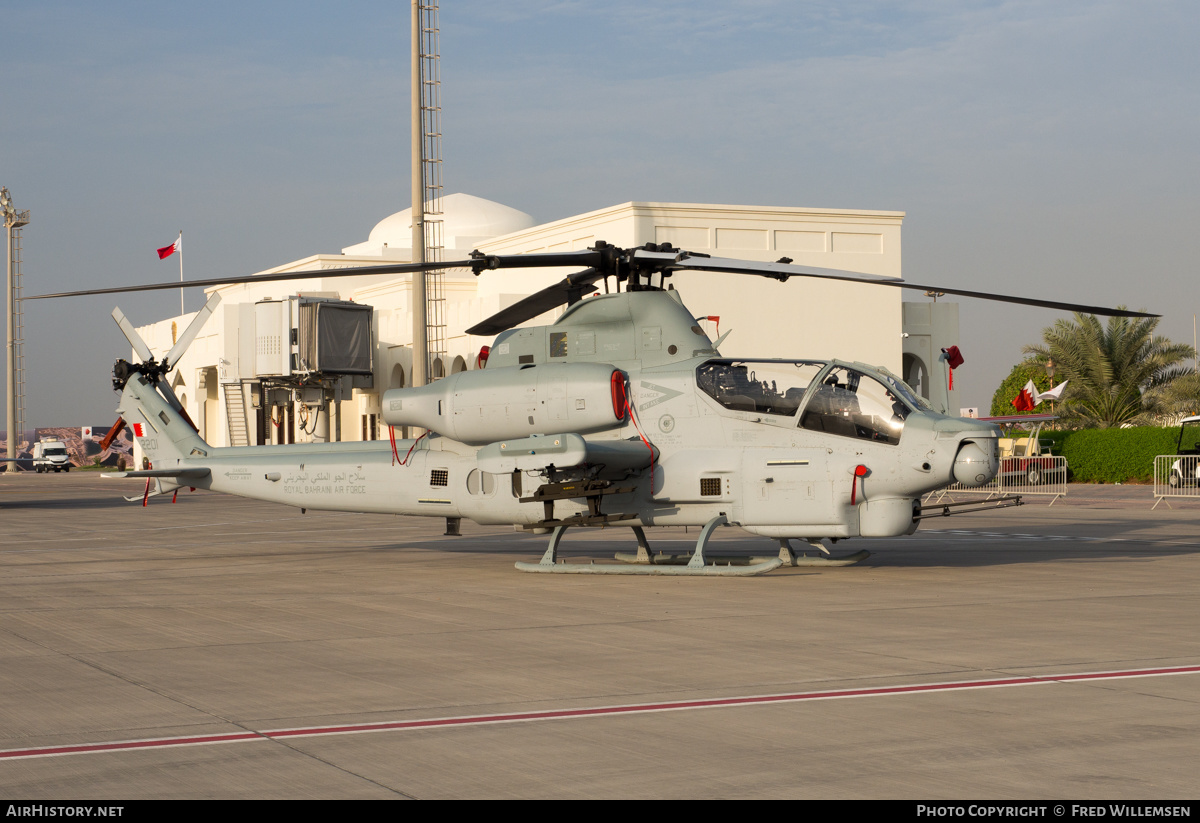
174 474
564 451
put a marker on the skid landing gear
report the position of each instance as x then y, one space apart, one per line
822 558
646 563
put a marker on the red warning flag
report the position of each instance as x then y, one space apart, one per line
954 359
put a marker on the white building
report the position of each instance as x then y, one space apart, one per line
221 382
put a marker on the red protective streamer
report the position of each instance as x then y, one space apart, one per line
392 437
954 359
859 471
146 496
633 417
404 462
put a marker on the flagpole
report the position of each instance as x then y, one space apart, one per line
180 241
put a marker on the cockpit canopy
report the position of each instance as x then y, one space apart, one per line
836 398
767 386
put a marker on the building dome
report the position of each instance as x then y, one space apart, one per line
466 221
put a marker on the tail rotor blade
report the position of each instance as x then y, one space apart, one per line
135 340
112 434
164 388
192 330
169 395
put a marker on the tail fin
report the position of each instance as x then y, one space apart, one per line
148 403
162 433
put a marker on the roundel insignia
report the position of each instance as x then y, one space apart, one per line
666 423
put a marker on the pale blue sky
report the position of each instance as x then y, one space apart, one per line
1041 148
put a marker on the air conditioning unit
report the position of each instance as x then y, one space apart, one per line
302 335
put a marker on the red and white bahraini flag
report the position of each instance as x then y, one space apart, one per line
1025 400
1054 393
1030 397
167 251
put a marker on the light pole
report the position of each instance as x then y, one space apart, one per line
13 220
1050 374
420 346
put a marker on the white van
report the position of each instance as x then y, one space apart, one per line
51 455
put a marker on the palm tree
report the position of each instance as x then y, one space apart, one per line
1166 405
1110 366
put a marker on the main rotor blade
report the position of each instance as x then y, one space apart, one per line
527 308
192 330
478 263
603 260
1028 301
398 268
782 271
135 340
776 271
594 258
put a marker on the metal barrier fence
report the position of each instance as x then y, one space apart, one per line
1046 474
1176 475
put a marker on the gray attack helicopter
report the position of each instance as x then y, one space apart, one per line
621 413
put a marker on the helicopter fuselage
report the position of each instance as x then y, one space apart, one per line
627 392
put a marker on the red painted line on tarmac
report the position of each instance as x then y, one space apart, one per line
599 711
123 745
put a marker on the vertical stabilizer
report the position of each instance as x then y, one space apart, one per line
161 432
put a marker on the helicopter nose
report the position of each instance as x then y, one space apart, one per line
977 461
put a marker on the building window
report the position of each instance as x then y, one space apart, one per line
370 427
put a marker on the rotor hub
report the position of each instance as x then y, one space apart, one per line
123 370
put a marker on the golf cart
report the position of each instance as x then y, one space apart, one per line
1186 470
1024 459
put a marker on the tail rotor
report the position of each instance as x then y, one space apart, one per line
156 370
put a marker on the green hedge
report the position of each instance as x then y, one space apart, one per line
1112 455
